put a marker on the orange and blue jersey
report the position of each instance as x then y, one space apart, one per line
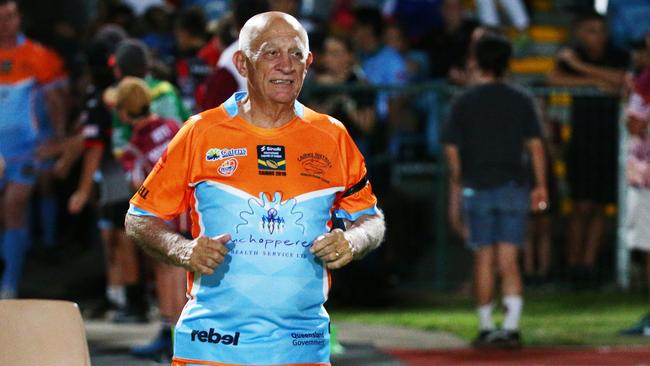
274 191
23 70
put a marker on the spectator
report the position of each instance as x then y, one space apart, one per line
151 134
190 32
226 80
383 66
490 127
638 178
591 172
158 35
132 59
355 108
629 21
26 68
447 46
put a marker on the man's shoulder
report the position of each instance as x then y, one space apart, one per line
323 122
209 119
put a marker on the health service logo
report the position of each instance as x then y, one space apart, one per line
271 217
215 154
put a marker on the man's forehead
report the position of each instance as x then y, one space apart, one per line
274 29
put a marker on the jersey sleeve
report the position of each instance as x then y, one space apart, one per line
357 198
166 192
49 67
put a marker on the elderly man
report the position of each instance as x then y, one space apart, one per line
263 176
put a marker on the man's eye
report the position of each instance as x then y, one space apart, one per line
272 53
297 54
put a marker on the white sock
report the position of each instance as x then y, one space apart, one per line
117 295
513 304
485 317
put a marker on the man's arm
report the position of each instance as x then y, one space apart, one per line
155 237
539 194
338 248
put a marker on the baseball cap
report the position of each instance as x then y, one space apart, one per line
132 95
132 58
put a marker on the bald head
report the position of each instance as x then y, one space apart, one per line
265 26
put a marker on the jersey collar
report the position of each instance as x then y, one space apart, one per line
232 109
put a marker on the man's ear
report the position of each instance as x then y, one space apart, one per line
310 59
240 63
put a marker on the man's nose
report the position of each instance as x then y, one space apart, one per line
286 63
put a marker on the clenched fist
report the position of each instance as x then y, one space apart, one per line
203 254
334 249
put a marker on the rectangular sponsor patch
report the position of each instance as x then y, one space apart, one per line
271 160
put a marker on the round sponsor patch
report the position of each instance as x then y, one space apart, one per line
228 167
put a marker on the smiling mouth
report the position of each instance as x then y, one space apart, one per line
281 82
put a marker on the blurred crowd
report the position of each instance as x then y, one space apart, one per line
109 82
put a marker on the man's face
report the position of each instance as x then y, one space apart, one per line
277 63
592 34
9 20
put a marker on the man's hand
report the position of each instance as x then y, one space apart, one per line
571 58
203 254
539 199
334 249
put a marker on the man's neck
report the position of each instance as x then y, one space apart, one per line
266 115
484 78
8 42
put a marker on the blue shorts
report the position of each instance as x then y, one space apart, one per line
496 215
21 170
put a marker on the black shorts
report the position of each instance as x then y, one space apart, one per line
111 215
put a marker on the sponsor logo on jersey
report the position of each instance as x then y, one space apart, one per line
271 160
215 154
314 165
228 167
143 192
211 336
308 339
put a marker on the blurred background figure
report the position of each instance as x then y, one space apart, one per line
26 68
637 223
516 9
592 172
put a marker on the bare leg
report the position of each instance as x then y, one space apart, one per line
509 269
484 275
128 257
171 283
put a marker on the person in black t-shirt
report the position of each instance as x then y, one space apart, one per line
491 126
592 152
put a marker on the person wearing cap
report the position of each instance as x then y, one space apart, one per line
131 58
264 177
151 135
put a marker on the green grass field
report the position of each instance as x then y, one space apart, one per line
557 319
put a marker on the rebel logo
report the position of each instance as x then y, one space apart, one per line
215 338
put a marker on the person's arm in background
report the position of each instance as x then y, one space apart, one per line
91 162
539 193
615 77
455 190
55 98
2 166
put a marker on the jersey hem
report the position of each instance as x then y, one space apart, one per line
177 361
